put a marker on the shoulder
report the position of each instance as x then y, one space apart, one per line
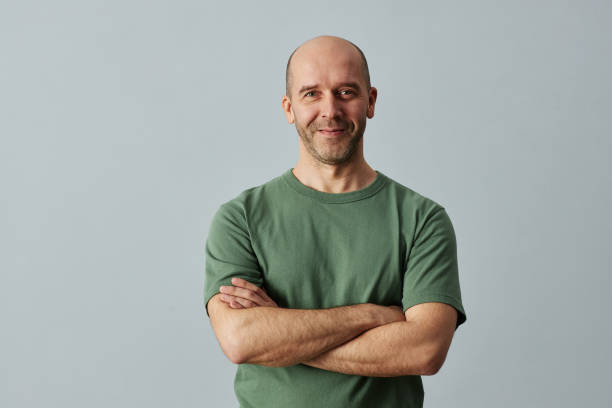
410 202
418 215
241 205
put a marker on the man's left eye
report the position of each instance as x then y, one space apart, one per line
346 92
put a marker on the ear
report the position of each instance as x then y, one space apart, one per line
371 102
286 104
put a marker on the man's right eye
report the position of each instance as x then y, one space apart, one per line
309 93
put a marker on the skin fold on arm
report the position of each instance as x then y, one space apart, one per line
416 344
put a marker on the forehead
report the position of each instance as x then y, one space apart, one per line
326 67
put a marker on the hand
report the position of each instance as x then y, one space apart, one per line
396 314
389 314
244 295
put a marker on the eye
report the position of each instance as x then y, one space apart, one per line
346 92
309 93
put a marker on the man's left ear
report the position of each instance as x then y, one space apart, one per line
371 102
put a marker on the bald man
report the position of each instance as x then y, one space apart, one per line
332 285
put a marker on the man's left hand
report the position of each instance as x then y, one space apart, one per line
243 295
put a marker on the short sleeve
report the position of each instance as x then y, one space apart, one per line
431 269
229 252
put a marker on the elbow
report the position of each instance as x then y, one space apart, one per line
228 326
232 347
433 363
230 340
238 352
234 356
431 368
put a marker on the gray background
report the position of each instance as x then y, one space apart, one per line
125 124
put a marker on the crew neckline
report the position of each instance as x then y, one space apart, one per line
335 198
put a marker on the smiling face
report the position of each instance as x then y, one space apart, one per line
329 99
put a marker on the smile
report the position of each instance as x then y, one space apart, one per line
331 132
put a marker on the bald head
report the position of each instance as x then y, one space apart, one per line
321 44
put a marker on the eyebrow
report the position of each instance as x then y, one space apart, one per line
344 84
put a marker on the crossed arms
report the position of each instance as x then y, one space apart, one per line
364 339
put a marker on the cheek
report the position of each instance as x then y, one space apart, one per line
305 116
357 113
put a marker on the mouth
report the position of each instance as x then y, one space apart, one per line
331 131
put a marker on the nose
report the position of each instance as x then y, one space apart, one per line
330 106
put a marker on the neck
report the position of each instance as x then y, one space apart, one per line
332 178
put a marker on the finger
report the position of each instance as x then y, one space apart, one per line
254 288
245 303
268 301
236 302
243 293
227 299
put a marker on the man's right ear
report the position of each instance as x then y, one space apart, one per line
286 104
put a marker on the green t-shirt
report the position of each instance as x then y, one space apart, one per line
383 244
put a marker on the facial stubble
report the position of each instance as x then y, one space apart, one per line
326 155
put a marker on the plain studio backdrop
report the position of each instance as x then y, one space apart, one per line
125 124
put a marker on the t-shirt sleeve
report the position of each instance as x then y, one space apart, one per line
431 269
228 251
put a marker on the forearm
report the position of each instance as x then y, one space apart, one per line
390 350
279 337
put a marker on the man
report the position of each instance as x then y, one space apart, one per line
332 285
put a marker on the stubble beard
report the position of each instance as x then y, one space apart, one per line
319 150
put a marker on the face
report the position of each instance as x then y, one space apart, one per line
329 102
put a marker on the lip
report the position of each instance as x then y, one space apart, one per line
331 132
